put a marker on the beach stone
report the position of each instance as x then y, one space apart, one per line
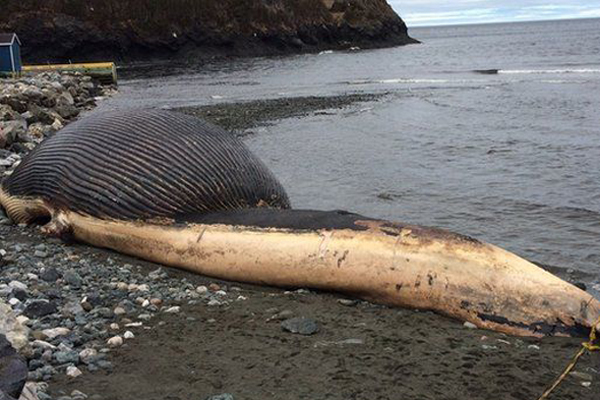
201 289
72 278
77 395
50 274
115 341
54 332
73 372
88 356
222 396
469 325
13 369
66 357
16 333
348 302
128 335
40 254
173 310
17 285
300 325
39 308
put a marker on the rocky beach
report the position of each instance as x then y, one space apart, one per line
93 324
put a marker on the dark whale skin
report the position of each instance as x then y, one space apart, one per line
143 164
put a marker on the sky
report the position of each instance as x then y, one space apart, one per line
438 12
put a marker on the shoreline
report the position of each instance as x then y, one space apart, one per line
201 337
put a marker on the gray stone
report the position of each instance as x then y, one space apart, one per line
73 278
39 308
50 274
300 325
66 357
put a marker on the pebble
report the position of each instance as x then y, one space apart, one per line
88 356
348 302
300 325
469 325
213 287
50 274
221 293
73 372
586 384
202 290
115 341
173 310
54 332
128 335
39 308
72 278
533 347
77 395
119 311
17 285
214 302
114 326
65 357
222 396
143 288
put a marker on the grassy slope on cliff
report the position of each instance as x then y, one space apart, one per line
60 29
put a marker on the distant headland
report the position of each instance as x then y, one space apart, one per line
62 30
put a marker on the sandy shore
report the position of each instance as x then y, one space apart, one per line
228 338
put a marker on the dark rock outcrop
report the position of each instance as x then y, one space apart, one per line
60 30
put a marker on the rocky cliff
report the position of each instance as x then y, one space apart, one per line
76 30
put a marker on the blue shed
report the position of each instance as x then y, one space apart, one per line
10 53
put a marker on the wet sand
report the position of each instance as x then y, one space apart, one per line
362 351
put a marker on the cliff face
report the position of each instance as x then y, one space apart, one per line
78 30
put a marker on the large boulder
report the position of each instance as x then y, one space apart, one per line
11 328
13 370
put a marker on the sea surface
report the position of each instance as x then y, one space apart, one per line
488 130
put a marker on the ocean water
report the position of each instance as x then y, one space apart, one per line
488 130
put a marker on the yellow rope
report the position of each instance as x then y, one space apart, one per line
589 346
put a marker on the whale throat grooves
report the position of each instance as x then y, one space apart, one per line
137 165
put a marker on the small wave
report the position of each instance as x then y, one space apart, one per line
402 80
549 71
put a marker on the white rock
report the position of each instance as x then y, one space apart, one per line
128 335
54 332
202 289
146 303
14 301
214 302
173 310
122 286
242 298
43 345
73 372
132 287
114 326
17 285
469 325
115 341
23 319
134 324
221 293
143 288
32 277
586 384
533 347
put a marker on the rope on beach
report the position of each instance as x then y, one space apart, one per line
590 346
